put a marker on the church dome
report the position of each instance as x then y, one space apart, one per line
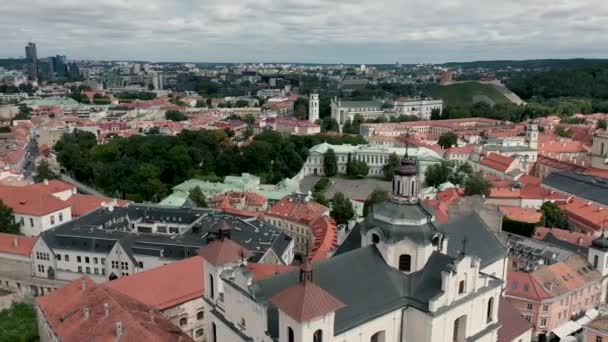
407 168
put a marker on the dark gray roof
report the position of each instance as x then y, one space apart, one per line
99 230
574 248
588 187
352 241
480 241
365 284
392 232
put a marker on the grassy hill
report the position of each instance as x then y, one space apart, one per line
464 94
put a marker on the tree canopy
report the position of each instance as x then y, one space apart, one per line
389 168
7 221
437 174
477 185
377 196
175 115
330 163
43 171
448 140
554 216
341 209
197 196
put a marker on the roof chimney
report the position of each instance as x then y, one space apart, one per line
106 308
86 312
15 242
119 331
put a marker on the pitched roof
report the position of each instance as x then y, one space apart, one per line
523 285
158 286
64 310
16 244
305 301
326 238
586 213
30 201
82 204
293 209
497 161
223 251
530 215
513 323
588 187
599 323
53 186
576 238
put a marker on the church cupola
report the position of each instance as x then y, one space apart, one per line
406 185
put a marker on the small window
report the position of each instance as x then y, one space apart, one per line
199 332
200 315
58 257
67 257
88 269
60 217
79 269
375 239
530 307
318 336
599 339
490 312
461 287
243 323
78 259
543 322
52 219
405 262
183 322
290 335
95 260
545 307
140 264
86 260
31 222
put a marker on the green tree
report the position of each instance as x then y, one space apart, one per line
24 113
356 168
477 185
389 168
435 114
341 209
563 132
448 140
175 115
377 196
301 109
7 221
43 171
18 323
330 163
437 174
197 196
554 216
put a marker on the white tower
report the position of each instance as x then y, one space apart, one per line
532 135
313 107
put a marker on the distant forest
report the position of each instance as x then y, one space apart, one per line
530 63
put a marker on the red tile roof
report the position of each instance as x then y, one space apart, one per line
497 161
64 310
158 287
16 244
53 186
30 201
223 251
523 285
291 209
513 323
576 238
261 271
530 215
305 301
82 204
326 238
585 213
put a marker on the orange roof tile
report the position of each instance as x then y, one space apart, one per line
64 310
576 238
523 285
585 212
165 292
53 186
497 161
326 238
223 251
30 201
82 204
16 244
289 208
305 301
530 215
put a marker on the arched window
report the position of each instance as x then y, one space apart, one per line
595 261
405 263
200 315
375 239
290 337
490 313
318 336
183 322
211 288
378 337
461 287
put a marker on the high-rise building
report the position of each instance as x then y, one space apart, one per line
313 108
61 67
73 71
32 57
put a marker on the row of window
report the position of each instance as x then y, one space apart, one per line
96 270
87 260
123 265
42 256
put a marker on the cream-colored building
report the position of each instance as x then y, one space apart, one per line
599 149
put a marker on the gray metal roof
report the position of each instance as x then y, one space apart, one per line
365 283
588 187
99 230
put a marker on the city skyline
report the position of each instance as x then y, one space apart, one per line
349 32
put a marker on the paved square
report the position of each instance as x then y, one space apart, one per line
356 189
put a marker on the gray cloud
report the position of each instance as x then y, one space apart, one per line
329 31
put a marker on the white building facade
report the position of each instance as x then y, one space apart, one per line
421 108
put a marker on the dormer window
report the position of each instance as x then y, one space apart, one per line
405 263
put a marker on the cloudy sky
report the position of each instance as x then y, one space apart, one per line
324 31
